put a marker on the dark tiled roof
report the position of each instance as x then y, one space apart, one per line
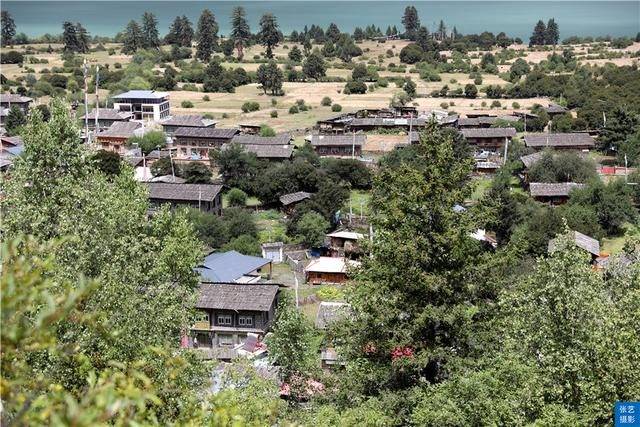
189 120
225 296
184 192
489 133
354 139
281 139
555 109
485 120
270 151
14 98
540 189
391 122
120 130
109 114
209 132
288 199
531 159
582 241
559 140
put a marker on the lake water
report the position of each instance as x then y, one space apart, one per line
516 18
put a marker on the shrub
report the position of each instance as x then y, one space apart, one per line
355 87
250 106
411 54
266 130
117 65
329 293
294 109
273 114
274 102
444 105
336 108
326 101
477 81
237 197
496 104
206 98
515 105
186 104
225 116
12 57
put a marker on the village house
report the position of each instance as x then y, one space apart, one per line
204 197
344 243
371 124
115 137
249 128
482 122
494 139
106 117
8 100
328 270
552 193
228 312
584 242
554 110
328 314
194 143
560 141
273 251
143 104
289 201
274 148
338 145
336 124
173 123
234 267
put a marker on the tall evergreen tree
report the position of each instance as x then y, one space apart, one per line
207 35
82 39
269 34
132 39
442 30
333 32
270 77
411 22
314 66
240 31
8 28
69 37
180 32
150 38
552 34
539 34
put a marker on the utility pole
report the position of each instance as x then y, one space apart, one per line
85 72
353 145
97 99
173 171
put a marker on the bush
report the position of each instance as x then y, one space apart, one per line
444 105
186 104
294 109
11 57
355 87
477 81
411 54
250 106
206 98
329 293
496 104
237 197
266 130
515 105
273 114
326 101
336 108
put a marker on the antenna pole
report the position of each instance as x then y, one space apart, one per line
97 98
85 72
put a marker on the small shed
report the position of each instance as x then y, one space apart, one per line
289 201
328 270
555 193
273 251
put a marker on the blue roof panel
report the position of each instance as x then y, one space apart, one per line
229 266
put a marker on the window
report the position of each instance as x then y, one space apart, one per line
202 316
245 320
225 339
224 319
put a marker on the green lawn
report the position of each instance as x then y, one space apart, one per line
482 185
271 226
359 201
614 245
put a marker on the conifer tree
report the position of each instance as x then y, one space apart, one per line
538 36
552 34
240 31
150 38
132 38
411 22
69 37
8 28
269 34
207 35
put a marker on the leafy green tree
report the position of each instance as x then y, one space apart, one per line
108 162
562 167
410 88
240 31
619 126
8 28
150 141
519 68
206 36
237 167
502 40
238 222
314 66
269 34
411 53
245 244
196 173
552 33
150 37
538 37
132 39
15 120
311 229
411 22
271 78
237 197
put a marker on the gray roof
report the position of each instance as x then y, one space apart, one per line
227 296
270 151
189 120
555 109
280 139
120 130
288 199
14 98
531 159
109 114
208 132
183 192
329 312
390 122
489 133
559 140
142 94
485 120
354 139
170 179
540 189
582 241
11 140
223 267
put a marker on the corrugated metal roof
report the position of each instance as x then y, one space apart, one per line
568 139
222 267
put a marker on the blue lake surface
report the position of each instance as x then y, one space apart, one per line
516 18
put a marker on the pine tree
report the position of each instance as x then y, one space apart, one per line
269 34
442 30
8 29
314 66
82 39
240 31
270 77
207 36
69 37
388 32
538 36
333 32
411 22
180 32
132 38
552 34
150 38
